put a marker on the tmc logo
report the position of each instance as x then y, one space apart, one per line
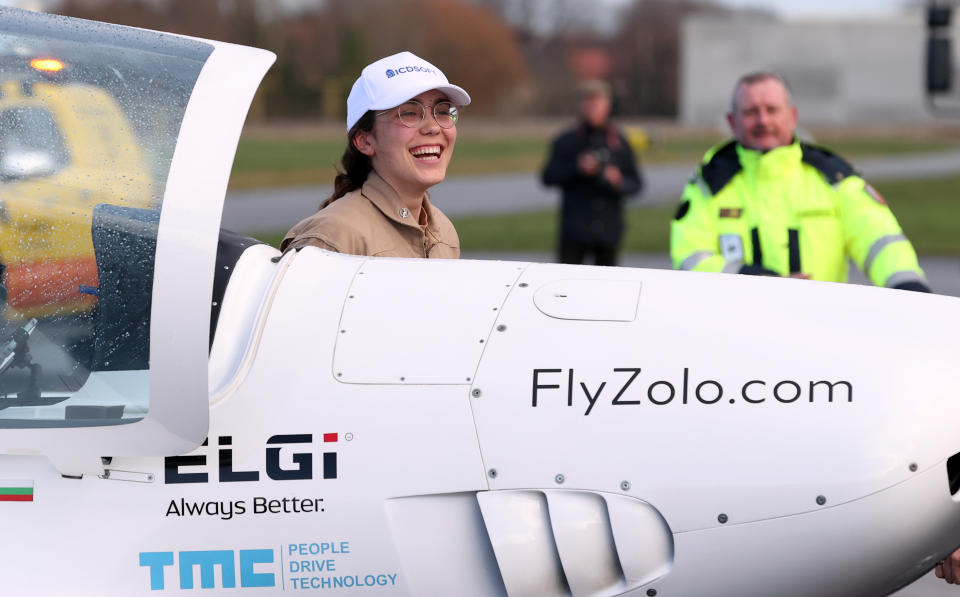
207 562
391 73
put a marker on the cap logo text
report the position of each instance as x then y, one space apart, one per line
408 69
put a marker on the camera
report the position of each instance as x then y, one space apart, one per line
602 155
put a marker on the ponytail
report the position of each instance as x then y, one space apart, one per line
355 166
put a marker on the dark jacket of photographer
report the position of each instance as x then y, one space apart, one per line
592 209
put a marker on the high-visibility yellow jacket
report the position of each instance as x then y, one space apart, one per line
797 209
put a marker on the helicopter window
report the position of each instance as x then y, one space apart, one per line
88 127
32 144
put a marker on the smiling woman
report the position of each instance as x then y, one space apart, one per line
402 126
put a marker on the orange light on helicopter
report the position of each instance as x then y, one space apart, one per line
50 65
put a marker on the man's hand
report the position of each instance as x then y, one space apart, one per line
949 569
588 164
613 176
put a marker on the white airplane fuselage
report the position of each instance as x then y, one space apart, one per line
406 427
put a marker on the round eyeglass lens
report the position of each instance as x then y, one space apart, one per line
412 113
446 114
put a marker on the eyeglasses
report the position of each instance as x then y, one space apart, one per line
412 113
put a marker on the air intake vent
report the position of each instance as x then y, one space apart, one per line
953 473
530 543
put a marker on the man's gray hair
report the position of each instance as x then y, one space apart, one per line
757 77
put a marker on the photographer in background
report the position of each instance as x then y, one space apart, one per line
596 170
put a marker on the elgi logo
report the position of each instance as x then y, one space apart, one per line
303 462
208 561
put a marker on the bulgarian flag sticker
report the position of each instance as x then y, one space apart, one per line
16 491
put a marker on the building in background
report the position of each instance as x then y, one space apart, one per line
841 71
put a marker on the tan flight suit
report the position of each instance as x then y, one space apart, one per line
373 221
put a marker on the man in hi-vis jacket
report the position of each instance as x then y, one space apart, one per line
766 203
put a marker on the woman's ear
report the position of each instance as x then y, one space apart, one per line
363 141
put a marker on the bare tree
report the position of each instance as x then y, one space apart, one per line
646 53
321 51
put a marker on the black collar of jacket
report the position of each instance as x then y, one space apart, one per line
725 163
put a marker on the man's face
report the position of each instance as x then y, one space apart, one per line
763 117
595 109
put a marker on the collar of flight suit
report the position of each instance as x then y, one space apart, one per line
383 196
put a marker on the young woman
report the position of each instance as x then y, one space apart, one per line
402 122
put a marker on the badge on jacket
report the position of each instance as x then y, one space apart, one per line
731 247
730 212
874 194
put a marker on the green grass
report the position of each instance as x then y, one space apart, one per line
267 162
278 162
928 211
648 231
271 238
854 148
286 155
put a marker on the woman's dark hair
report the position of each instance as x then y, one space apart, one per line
355 166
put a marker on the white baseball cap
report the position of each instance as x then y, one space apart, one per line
390 81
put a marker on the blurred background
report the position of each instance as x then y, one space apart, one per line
857 69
